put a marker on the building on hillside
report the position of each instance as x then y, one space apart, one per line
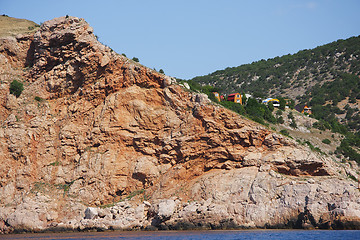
275 102
303 109
235 97
248 95
288 101
217 96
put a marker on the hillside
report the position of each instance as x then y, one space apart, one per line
326 74
325 78
10 26
90 139
290 75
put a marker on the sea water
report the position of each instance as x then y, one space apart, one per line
197 235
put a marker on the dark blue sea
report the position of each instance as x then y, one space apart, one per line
197 235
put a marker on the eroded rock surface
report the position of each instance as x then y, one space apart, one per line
111 144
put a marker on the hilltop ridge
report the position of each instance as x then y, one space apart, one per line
290 75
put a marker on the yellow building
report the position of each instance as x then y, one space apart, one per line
235 97
217 96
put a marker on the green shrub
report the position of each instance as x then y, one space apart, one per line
39 99
135 59
56 163
282 103
161 71
257 119
133 194
315 149
291 104
16 88
347 146
271 106
238 108
285 132
280 120
65 187
290 115
326 141
352 177
293 124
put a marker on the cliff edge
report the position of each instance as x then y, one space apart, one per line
98 141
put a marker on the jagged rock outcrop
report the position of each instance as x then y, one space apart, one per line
109 143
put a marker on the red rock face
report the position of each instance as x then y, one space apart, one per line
108 126
71 61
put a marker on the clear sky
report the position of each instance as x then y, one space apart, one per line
188 38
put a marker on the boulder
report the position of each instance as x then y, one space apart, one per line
166 208
24 219
91 213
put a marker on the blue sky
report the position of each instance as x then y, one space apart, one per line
190 38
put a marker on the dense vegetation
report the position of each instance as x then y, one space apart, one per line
325 78
283 75
252 109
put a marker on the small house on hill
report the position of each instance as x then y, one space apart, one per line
235 97
275 102
217 96
303 109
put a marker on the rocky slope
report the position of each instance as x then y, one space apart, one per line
111 144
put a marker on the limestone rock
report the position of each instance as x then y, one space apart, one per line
23 219
91 213
146 169
166 208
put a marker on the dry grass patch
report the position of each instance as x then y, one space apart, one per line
10 26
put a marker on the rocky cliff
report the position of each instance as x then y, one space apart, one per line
96 140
